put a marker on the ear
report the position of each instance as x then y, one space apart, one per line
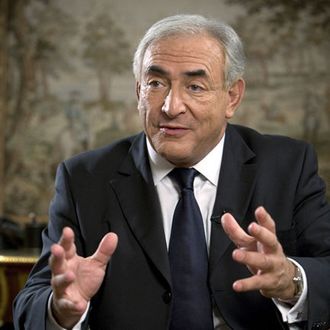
235 94
137 90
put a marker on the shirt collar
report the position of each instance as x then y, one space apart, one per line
209 166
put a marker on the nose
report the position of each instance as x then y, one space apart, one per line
174 103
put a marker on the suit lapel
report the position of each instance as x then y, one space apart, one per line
137 195
236 183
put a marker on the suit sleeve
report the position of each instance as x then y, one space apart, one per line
30 305
312 223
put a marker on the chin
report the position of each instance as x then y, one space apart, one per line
174 152
178 159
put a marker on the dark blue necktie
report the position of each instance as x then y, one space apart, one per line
189 260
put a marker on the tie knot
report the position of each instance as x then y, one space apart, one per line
184 177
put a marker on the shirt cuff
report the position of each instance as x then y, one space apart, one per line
51 323
297 312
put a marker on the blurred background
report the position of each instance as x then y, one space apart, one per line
66 84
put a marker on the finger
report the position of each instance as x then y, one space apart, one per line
67 242
265 237
235 232
253 260
266 282
65 248
106 248
263 283
60 283
264 219
256 282
57 259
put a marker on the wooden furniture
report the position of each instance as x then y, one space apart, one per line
14 270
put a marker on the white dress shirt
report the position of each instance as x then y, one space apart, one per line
205 188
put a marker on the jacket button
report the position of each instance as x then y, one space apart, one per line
167 297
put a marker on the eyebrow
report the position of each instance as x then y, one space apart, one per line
155 69
196 73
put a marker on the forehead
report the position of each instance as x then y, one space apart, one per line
196 52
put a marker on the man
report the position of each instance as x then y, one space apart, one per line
265 218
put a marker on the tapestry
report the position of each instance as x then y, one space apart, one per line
66 82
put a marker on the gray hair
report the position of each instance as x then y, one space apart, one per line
195 24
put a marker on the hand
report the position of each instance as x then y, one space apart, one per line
262 253
75 280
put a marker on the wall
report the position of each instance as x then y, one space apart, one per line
68 85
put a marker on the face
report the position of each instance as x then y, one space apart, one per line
181 97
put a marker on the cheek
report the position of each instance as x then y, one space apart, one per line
208 112
150 106
144 104
147 115
211 120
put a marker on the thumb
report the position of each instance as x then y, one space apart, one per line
106 248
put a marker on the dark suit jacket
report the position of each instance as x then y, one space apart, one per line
111 189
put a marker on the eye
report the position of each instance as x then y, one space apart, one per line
195 88
155 83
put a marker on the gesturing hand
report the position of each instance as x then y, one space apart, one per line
262 253
75 280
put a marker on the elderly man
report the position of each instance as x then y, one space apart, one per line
192 224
